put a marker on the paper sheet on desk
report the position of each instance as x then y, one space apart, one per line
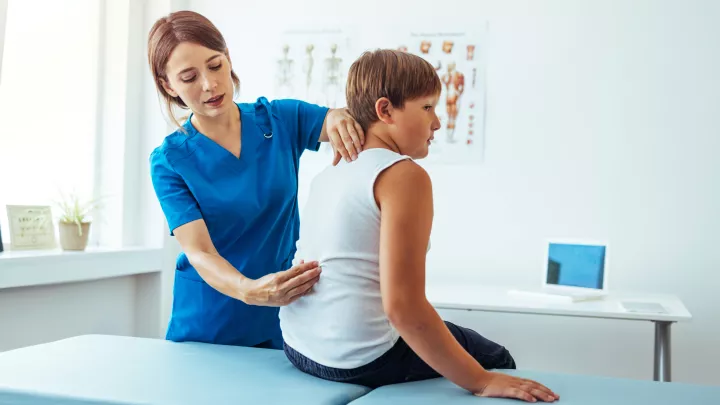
643 307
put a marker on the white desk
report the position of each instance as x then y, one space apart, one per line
496 299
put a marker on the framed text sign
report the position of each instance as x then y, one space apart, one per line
31 227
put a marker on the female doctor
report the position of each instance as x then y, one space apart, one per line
227 183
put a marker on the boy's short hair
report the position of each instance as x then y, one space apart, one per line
397 75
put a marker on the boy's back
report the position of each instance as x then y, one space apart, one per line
341 323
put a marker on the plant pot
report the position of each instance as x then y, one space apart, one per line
73 237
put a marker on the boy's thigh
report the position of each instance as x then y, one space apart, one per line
489 354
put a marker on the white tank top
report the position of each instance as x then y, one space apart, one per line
342 323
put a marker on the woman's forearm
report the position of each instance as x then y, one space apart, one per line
219 274
427 335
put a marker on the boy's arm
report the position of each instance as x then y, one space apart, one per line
404 194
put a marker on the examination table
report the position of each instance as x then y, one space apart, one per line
99 369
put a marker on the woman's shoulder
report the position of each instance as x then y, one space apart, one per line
277 107
174 146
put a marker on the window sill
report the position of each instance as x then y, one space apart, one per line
42 267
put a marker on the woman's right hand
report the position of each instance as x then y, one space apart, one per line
500 385
281 288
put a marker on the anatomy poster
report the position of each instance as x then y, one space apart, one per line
312 65
458 57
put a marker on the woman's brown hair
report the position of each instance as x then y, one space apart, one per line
166 34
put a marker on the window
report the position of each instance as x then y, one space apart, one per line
48 101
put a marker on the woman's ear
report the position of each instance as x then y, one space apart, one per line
227 55
167 88
384 110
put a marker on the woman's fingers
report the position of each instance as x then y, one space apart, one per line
336 156
338 145
347 149
360 132
301 290
300 279
296 270
354 137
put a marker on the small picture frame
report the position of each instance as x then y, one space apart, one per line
31 227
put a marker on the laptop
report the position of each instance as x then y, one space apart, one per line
576 269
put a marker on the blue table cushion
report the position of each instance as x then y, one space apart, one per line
573 390
103 370
123 370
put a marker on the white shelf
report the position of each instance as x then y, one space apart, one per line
42 267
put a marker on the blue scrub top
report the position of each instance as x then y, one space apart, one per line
250 207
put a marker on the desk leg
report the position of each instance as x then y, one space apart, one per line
661 371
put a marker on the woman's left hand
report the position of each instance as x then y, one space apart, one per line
344 134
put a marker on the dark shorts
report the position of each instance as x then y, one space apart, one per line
401 364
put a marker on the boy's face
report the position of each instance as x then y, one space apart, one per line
414 126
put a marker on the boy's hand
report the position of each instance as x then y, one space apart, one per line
505 386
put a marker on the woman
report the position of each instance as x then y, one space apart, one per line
227 183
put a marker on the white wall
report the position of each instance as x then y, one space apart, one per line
120 305
124 306
3 23
600 124
154 128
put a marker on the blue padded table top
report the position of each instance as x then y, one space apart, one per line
122 370
573 390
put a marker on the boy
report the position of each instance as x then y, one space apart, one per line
368 223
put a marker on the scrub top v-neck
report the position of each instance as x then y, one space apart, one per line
249 204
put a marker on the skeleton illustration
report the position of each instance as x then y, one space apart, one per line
332 77
307 68
285 74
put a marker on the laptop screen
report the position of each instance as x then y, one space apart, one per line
576 265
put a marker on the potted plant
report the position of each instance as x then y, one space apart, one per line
74 222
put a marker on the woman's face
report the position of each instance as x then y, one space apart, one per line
201 78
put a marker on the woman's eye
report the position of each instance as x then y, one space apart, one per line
188 79
216 67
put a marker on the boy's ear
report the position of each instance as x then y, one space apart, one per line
384 110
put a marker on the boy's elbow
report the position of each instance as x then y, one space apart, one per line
403 313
